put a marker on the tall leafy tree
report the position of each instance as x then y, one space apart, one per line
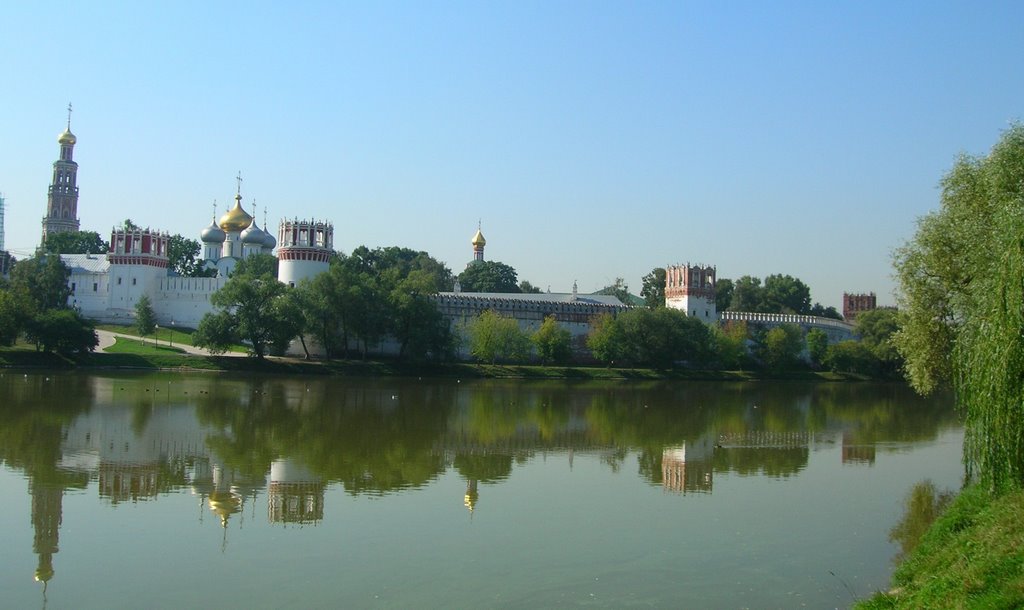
817 345
489 276
44 279
961 285
75 242
782 346
15 312
786 294
145 319
184 257
723 294
493 338
553 343
653 290
527 288
63 331
253 308
747 294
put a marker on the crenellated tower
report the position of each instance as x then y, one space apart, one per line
62 200
691 288
304 249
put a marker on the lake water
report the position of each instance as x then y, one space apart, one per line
175 491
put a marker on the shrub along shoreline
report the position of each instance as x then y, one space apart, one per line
972 556
24 358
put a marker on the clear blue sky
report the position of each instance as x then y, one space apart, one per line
592 139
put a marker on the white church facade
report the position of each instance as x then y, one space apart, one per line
107 287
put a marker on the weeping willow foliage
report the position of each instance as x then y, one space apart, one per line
990 357
962 306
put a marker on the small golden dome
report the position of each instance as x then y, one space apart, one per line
235 219
478 239
66 137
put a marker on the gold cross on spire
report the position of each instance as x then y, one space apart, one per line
69 116
239 178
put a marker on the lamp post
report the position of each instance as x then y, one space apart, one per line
156 335
170 341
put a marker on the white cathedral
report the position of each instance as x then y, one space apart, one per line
107 287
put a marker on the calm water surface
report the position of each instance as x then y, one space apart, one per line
176 491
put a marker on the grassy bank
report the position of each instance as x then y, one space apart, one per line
971 557
133 355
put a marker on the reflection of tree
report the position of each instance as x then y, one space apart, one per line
485 468
373 438
923 505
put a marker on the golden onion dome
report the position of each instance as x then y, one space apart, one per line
235 219
66 137
478 239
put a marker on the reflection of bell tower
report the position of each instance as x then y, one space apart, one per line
472 495
47 503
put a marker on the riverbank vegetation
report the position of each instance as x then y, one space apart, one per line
961 324
970 557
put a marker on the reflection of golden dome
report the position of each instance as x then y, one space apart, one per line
478 239
44 573
224 504
235 219
66 137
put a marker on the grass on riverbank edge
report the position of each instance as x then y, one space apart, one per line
971 557
153 359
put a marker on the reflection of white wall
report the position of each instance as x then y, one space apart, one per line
106 435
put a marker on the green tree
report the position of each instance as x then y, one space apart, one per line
526 287
731 345
553 343
747 295
184 257
723 294
619 290
961 285
75 242
63 331
851 357
785 294
876 329
817 345
825 312
488 276
217 332
662 337
15 312
605 339
44 279
417 324
782 347
493 338
257 265
653 290
254 303
145 319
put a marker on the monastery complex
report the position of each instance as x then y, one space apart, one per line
107 287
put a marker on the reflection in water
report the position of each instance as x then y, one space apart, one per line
229 440
922 507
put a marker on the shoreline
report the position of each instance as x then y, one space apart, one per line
25 359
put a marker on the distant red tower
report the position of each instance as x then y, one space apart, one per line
853 304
